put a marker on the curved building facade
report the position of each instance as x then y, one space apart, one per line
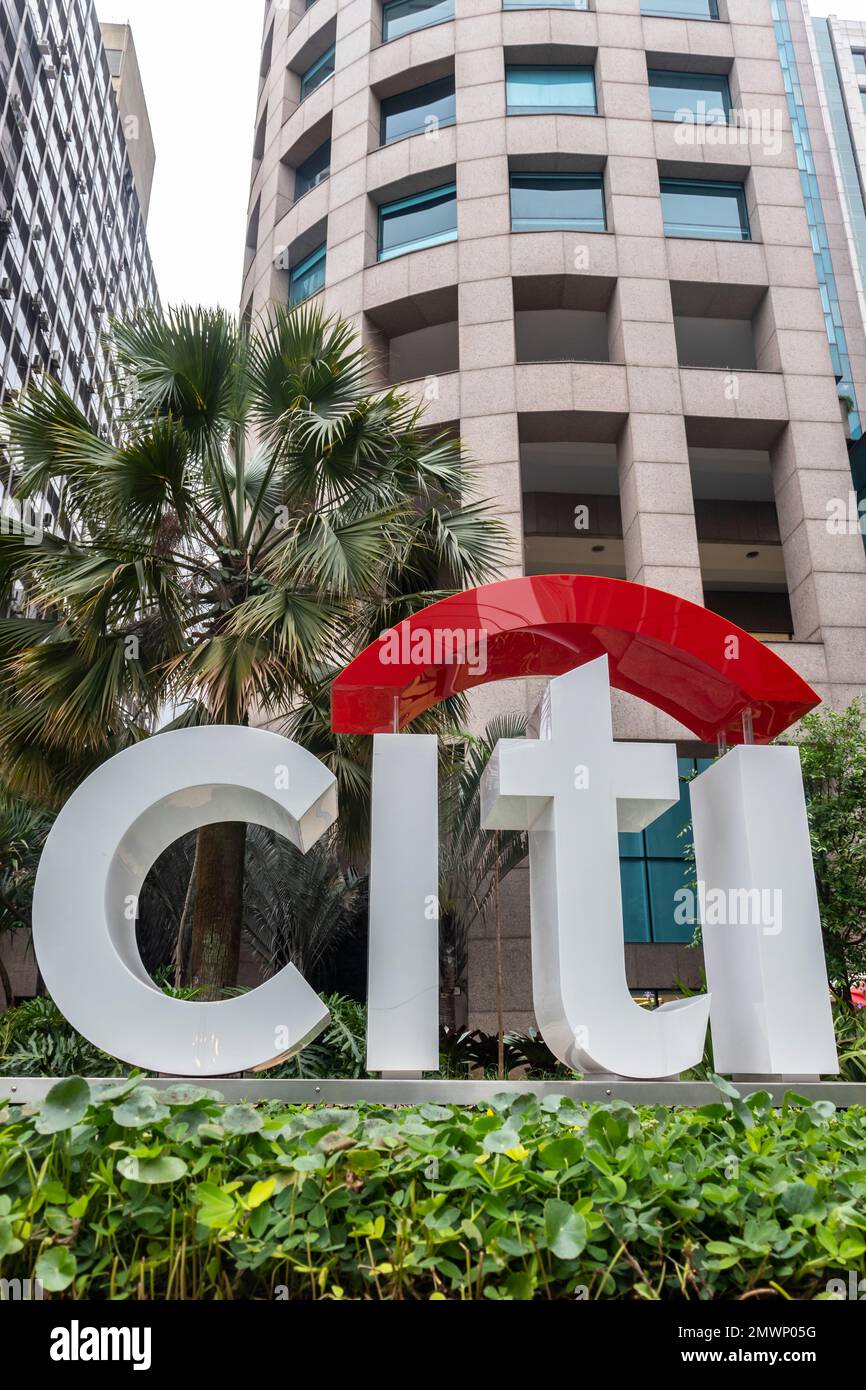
585 236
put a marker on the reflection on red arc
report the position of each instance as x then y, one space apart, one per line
676 655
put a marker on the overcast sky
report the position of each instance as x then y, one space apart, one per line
200 61
200 66
843 9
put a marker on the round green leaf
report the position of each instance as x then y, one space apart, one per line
564 1229
561 1153
55 1268
140 1110
64 1106
241 1119
184 1093
152 1170
798 1197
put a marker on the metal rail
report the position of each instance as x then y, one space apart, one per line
30 1090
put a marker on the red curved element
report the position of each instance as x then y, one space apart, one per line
679 657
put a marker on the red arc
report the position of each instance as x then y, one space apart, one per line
676 655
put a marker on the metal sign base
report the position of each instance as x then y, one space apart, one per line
29 1090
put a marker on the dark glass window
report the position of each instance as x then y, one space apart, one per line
545 4
321 70
547 202
314 170
307 277
403 16
423 108
702 97
427 219
681 9
115 60
653 868
538 89
717 211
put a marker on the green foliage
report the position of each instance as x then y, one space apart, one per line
462 1053
36 1040
226 578
850 1028
833 757
119 1191
338 1052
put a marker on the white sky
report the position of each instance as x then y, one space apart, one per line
200 62
842 9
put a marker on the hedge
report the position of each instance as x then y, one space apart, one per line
117 1191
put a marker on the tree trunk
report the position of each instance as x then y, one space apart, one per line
181 950
447 982
217 917
6 983
500 988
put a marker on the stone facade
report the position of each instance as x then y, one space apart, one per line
680 392
706 475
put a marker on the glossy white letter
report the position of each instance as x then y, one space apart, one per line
573 789
403 987
93 866
765 962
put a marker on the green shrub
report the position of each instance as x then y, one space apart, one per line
126 1192
36 1040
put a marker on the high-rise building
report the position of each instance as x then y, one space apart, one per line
603 241
76 164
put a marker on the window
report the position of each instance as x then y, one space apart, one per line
428 219
652 869
314 170
115 60
424 108
859 63
402 16
681 9
547 202
545 4
307 277
535 90
696 209
863 99
321 70
686 95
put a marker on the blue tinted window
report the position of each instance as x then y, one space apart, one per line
313 170
681 9
683 95
696 209
410 224
635 900
545 4
859 63
545 202
424 108
307 277
530 90
402 16
653 868
321 70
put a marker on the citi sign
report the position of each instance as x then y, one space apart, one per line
570 786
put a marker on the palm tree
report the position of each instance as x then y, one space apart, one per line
266 515
23 832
